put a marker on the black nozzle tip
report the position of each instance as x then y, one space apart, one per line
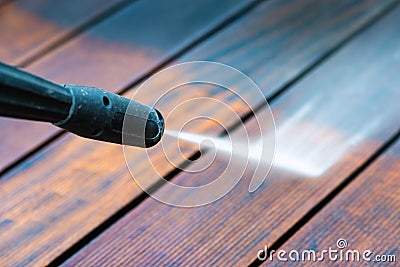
154 128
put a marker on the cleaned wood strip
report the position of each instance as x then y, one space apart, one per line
30 26
328 124
178 28
76 184
90 60
366 214
114 54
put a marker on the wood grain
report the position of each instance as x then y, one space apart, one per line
111 55
31 26
95 61
366 214
328 123
76 184
165 18
28 28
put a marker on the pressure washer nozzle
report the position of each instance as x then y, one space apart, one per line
104 116
86 111
154 128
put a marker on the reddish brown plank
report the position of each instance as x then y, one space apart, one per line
113 54
27 28
76 184
366 214
328 124
92 68
197 19
30 26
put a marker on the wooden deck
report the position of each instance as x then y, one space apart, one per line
330 71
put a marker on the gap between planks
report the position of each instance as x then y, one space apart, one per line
136 201
158 67
380 151
76 31
327 199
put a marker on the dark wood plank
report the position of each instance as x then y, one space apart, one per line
76 184
328 124
30 26
164 24
112 55
366 214
92 71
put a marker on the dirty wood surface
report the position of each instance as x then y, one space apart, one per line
122 53
326 130
71 200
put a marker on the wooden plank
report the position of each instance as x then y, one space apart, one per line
328 124
110 58
178 27
366 214
92 71
30 26
76 184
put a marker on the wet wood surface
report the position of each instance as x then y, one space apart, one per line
73 185
29 27
232 230
366 214
108 58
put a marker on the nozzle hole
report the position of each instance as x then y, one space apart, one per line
106 102
97 132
